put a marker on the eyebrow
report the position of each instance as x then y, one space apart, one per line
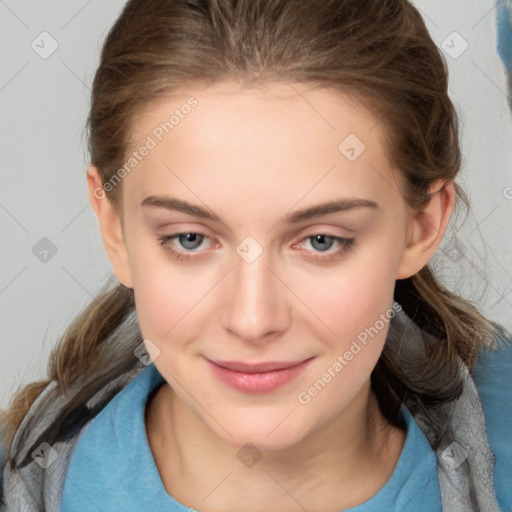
330 207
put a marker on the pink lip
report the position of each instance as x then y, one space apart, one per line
258 377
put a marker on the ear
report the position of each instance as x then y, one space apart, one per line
111 228
427 228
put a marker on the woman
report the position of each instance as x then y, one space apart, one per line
271 180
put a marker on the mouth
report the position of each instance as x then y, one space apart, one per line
262 377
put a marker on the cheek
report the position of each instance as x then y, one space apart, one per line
358 308
352 297
164 293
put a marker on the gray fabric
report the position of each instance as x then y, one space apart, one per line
33 488
465 461
478 469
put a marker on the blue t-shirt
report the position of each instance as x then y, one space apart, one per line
112 468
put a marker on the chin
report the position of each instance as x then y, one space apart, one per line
267 432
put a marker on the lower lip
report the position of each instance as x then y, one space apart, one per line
264 382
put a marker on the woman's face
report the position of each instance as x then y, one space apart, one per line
296 232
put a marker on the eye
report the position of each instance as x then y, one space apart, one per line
187 241
190 242
323 242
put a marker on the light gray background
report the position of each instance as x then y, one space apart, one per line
44 105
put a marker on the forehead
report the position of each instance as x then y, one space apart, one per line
255 138
229 105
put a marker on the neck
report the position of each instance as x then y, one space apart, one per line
340 465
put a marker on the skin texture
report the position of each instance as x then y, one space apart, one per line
252 157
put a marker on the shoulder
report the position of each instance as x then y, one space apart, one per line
493 379
24 486
41 443
103 445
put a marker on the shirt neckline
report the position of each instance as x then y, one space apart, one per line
121 425
406 464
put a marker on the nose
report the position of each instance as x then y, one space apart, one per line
256 306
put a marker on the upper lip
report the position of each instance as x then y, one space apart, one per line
238 366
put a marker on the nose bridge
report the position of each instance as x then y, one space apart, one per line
255 304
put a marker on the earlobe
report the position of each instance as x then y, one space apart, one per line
427 228
110 227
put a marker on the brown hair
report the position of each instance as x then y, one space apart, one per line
378 52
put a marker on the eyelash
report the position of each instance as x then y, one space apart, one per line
347 245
